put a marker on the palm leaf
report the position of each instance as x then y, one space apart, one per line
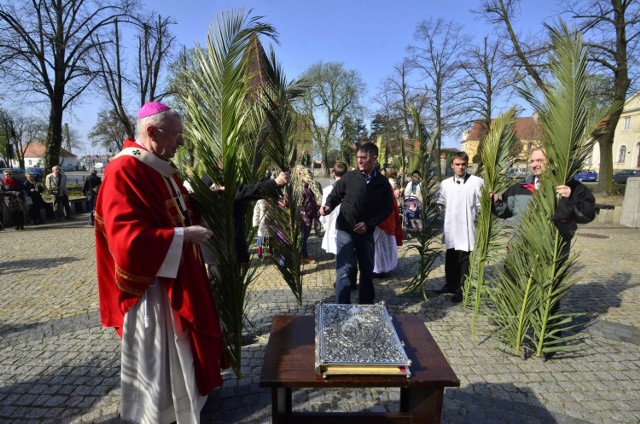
280 125
495 160
565 138
224 124
426 245
535 258
515 292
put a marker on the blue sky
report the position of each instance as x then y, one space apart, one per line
370 36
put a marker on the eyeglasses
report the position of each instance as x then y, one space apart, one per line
177 134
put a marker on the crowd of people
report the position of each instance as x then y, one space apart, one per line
24 202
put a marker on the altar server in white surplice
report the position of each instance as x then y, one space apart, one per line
329 221
460 196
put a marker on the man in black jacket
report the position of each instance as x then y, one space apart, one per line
366 201
90 189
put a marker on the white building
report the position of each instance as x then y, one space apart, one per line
34 157
626 144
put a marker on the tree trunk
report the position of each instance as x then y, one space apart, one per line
605 173
54 138
325 163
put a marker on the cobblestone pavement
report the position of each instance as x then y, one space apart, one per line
58 365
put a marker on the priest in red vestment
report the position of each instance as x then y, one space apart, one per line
152 281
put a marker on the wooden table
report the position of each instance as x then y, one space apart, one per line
289 364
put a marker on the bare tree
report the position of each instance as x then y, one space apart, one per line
47 48
154 49
333 93
397 94
153 52
487 77
436 55
388 121
20 131
524 54
112 80
612 31
109 131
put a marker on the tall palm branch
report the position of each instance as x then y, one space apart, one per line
536 274
279 127
426 246
565 137
225 123
488 244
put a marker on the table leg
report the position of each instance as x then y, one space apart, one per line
424 405
280 404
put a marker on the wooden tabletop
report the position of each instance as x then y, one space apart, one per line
290 358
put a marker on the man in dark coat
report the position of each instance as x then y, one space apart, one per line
365 200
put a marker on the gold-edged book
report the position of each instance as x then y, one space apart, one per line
358 340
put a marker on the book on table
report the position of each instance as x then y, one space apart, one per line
358 340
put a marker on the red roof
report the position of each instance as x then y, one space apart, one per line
527 128
35 149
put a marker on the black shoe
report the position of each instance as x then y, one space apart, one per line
380 275
457 298
445 289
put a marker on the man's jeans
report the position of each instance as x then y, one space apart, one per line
354 247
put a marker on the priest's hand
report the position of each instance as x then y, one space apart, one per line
197 234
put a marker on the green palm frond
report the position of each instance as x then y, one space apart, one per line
495 160
566 141
536 275
280 125
426 247
225 124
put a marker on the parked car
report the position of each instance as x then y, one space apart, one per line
586 175
621 177
38 173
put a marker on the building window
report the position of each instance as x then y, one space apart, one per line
627 123
622 152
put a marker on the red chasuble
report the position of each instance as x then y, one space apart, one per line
393 224
135 216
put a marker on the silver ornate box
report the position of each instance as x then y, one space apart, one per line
358 339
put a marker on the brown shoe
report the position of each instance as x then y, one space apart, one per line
309 260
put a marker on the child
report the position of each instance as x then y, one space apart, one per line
260 221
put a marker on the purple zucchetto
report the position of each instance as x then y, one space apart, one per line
152 108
